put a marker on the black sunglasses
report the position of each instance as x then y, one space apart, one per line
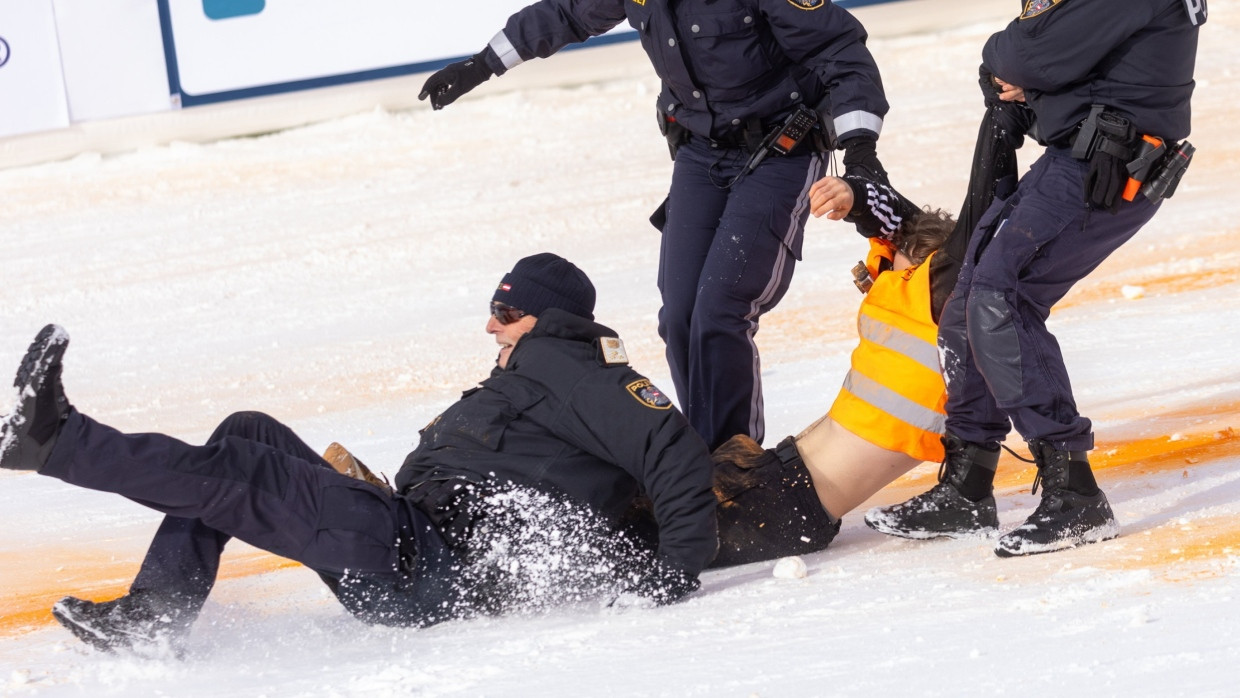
506 314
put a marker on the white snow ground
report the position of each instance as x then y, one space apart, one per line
335 276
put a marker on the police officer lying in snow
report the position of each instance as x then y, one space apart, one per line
1109 82
733 73
889 414
509 500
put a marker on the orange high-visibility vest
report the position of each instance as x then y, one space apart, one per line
893 396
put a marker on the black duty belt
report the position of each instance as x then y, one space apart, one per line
737 142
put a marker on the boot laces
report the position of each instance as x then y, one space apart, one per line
1037 478
951 448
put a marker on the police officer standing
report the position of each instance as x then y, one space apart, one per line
1109 82
734 73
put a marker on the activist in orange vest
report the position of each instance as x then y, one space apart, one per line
893 395
889 414
888 417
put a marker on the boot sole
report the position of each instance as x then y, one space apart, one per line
82 631
47 349
141 645
928 535
1096 535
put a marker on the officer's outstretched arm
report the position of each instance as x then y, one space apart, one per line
447 84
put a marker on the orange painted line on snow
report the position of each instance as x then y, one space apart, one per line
1158 286
1137 456
1172 546
99 580
1184 550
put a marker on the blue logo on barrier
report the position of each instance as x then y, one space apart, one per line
4 51
223 9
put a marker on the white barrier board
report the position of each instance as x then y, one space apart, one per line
113 57
224 46
32 93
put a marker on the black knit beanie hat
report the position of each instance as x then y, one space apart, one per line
543 281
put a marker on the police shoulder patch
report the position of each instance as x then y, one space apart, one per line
648 395
1033 8
807 4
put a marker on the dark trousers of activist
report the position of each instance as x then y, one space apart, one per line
730 243
1002 366
257 481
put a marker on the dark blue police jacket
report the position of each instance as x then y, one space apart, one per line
560 419
1135 56
724 62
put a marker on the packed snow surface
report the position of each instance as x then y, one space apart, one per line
336 275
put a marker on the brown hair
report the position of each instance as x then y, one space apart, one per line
924 233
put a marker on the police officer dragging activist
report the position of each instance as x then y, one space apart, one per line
512 498
889 414
1109 82
755 96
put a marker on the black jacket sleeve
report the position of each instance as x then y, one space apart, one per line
1001 132
542 28
1064 45
609 416
828 40
1135 56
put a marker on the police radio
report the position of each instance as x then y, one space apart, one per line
785 138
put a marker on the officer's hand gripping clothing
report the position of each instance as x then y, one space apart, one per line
990 88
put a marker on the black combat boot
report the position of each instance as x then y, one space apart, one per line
140 622
29 433
960 505
768 507
1073 511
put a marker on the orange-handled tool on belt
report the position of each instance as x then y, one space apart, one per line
1149 151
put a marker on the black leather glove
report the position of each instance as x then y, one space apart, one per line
1105 181
861 159
447 84
666 582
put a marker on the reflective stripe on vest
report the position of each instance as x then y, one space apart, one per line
894 403
899 341
893 395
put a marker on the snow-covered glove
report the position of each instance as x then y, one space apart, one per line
447 84
666 582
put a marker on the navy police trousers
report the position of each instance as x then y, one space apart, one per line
256 480
1002 365
727 257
